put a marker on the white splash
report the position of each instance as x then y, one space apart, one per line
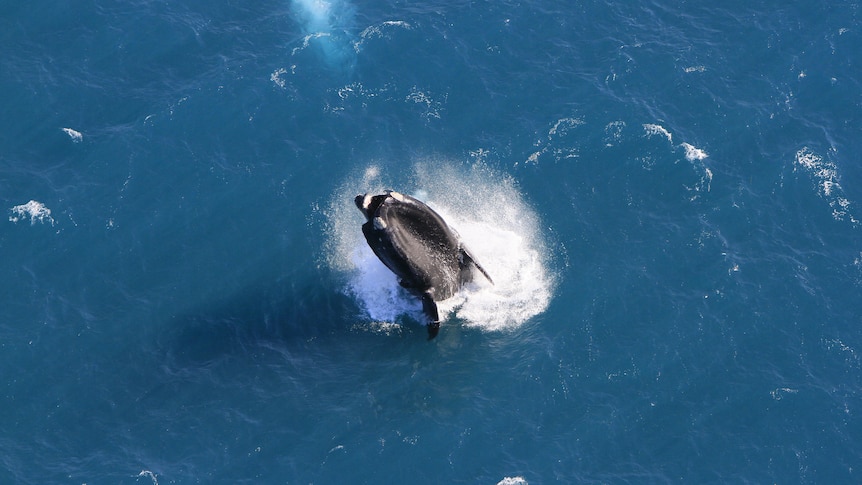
385 328
76 136
494 222
35 210
316 15
377 289
327 23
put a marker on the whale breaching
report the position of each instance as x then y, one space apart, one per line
414 242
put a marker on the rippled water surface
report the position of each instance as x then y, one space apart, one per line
666 194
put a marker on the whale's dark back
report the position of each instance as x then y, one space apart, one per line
413 241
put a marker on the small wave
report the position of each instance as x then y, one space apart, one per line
563 125
150 475
492 219
614 132
697 156
432 107
693 154
379 31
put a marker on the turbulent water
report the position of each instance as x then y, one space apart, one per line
666 196
494 222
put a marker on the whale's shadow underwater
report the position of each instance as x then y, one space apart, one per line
416 244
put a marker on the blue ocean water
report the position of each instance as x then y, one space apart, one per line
666 193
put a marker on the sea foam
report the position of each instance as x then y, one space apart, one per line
825 173
35 210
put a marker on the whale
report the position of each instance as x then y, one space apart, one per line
414 242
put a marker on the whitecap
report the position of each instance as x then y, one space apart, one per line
693 153
75 135
35 210
653 129
306 41
827 178
513 481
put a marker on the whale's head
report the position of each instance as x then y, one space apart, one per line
368 204
363 203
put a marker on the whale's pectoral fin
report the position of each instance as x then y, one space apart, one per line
429 307
468 259
433 329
